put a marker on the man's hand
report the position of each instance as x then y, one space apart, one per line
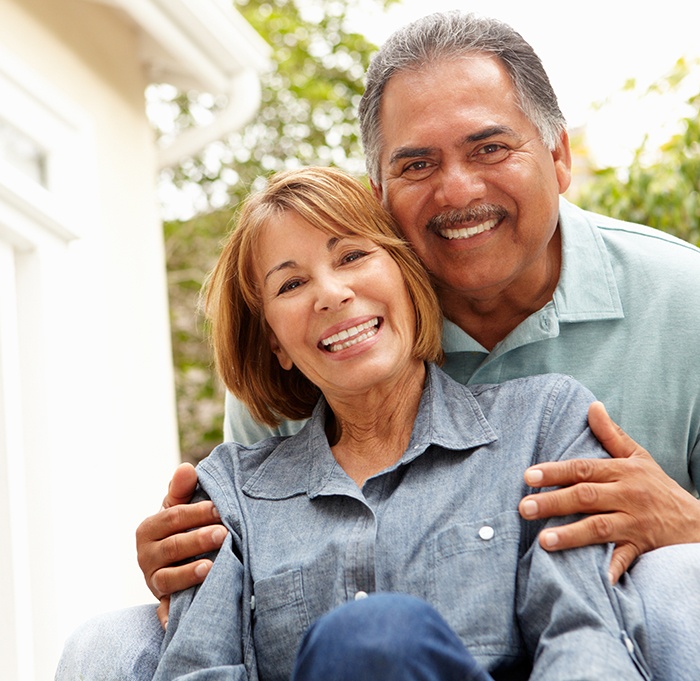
632 501
176 533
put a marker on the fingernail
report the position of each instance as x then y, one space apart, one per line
218 535
202 570
529 508
551 539
533 476
215 512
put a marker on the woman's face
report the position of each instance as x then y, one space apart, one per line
338 308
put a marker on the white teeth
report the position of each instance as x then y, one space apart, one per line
356 334
466 232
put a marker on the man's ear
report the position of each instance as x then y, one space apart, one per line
562 162
377 191
282 357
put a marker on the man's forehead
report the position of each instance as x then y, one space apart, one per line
416 98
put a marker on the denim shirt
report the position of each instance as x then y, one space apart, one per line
441 524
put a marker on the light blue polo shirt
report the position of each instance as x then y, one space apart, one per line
624 320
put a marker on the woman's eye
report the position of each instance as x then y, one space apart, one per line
353 256
289 286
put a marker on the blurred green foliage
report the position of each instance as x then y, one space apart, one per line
661 187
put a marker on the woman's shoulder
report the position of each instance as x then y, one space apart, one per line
231 464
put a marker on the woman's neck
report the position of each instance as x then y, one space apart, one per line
370 432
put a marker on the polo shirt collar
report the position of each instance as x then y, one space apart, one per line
587 290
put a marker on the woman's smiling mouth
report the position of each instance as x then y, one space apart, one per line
349 337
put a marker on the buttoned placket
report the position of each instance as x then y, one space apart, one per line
360 572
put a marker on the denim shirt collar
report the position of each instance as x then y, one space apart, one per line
448 417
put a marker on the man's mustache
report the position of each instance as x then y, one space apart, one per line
474 215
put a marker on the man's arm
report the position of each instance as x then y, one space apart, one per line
177 533
632 502
168 540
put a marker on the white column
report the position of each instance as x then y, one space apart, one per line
16 632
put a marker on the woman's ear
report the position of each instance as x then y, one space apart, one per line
282 357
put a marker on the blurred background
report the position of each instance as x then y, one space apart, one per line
129 132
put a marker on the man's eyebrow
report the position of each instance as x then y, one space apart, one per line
492 131
410 152
416 152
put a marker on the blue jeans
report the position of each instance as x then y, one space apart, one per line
125 645
387 637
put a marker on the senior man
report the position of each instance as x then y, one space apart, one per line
467 147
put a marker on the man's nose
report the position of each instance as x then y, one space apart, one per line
458 185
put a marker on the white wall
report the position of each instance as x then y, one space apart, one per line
87 417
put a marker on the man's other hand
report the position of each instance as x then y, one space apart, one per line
176 534
629 499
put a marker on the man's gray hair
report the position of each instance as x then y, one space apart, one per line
449 35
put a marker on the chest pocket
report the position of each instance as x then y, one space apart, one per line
472 582
280 621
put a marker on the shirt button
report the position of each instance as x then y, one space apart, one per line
486 532
360 595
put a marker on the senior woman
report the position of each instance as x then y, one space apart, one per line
382 541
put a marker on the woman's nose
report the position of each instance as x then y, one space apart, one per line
332 293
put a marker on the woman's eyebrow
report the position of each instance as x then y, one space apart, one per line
287 264
290 264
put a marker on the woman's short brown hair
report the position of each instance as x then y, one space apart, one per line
335 203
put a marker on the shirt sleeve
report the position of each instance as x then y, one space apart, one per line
576 625
207 625
241 427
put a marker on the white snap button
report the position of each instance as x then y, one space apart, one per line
486 532
360 595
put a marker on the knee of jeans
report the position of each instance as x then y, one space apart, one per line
669 572
124 644
390 622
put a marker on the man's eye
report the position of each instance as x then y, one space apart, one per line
491 153
417 168
417 165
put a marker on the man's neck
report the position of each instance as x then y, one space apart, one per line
490 316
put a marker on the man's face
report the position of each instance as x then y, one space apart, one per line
466 176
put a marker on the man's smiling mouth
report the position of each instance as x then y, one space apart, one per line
467 232
468 222
349 337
